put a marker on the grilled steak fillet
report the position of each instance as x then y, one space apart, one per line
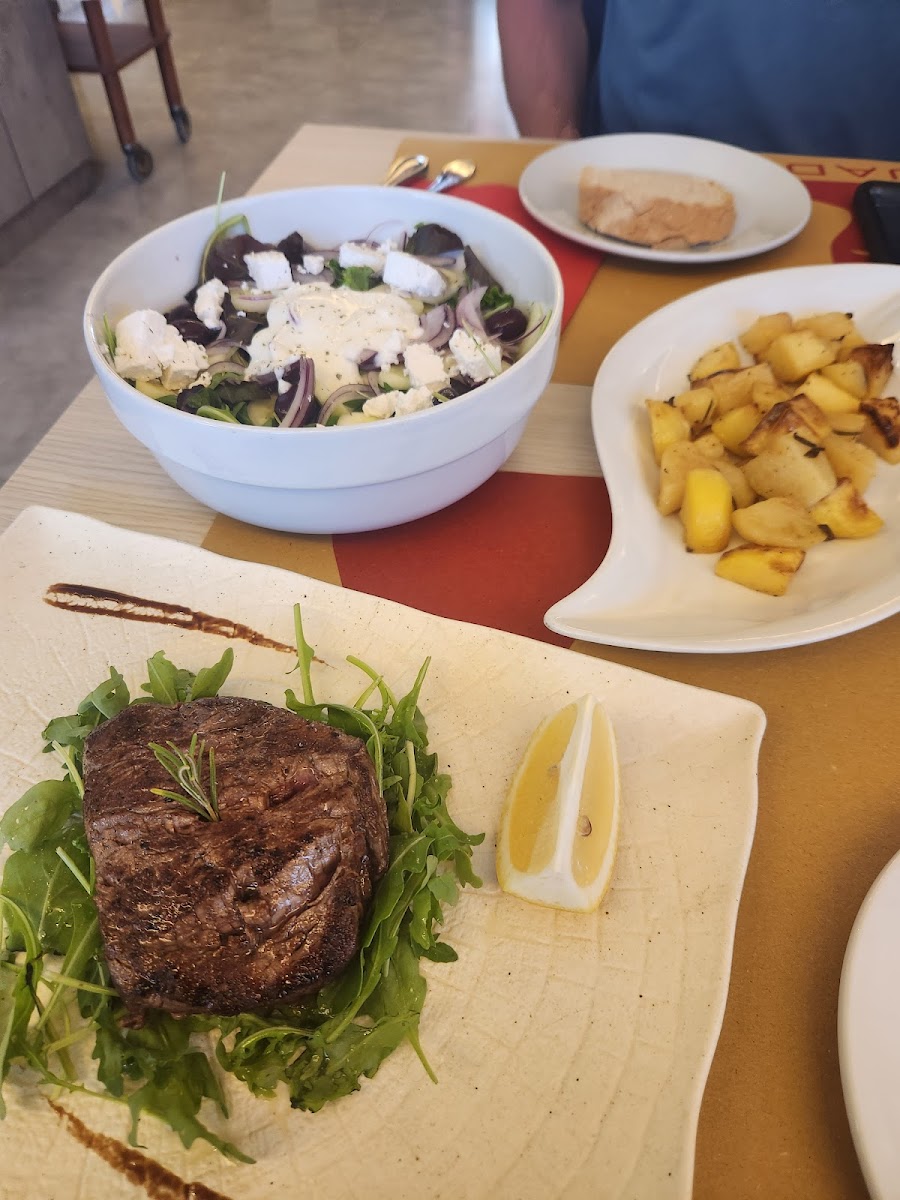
250 911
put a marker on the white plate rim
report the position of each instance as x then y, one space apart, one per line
877 911
588 151
621 471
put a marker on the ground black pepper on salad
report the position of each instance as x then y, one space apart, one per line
287 335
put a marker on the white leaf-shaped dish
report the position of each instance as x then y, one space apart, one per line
571 1050
649 593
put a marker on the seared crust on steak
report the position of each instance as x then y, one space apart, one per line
256 909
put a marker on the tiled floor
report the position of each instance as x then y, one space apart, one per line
251 71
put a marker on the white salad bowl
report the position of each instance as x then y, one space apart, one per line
337 479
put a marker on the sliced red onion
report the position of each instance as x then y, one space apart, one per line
374 381
249 301
341 394
394 231
438 325
366 359
292 406
468 312
441 260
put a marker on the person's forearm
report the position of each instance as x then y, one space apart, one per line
545 64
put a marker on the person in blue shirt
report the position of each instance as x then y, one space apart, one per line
819 77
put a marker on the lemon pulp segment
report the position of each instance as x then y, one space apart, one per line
534 804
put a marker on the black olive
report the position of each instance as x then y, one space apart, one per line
507 325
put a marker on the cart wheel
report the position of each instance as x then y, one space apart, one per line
139 160
182 119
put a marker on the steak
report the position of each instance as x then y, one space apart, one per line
253 910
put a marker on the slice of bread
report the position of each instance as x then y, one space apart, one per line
663 209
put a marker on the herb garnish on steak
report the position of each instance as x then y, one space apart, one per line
257 908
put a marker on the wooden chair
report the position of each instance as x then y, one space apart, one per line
99 48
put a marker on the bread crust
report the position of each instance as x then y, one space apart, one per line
659 209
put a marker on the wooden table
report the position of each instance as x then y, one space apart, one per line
773 1122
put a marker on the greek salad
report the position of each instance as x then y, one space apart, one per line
289 335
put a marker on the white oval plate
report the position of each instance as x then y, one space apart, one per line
772 205
869 1033
648 592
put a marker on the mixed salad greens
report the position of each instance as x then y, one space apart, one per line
56 999
287 335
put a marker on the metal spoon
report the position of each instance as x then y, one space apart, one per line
452 173
402 170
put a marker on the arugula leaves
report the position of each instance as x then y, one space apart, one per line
360 279
495 300
55 988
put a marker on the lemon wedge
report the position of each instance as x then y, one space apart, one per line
560 823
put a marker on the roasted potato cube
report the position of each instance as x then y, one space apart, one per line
791 467
764 330
881 432
826 394
850 376
830 326
698 405
732 388
878 363
777 522
847 422
706 511
797 417
667 426
767 569
851 460
677 460
794 355
741 492
845 514
735 426
766 395
849 343
720 358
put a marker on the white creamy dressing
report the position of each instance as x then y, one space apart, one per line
335 327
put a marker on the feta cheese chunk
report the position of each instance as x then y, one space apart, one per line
208 302
412 401
358 254
476 359
425 366
147 348
269 270
381 405
313 264
407 273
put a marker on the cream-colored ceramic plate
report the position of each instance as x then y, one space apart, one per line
771 205
648 592
572 1051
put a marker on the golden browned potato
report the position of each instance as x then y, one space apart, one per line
720 358
763 332
798 418
881 432
667 426
849 375
767 569
698 405
736 426
741 491
677 460
788 467
851 460
794 355
777 522
706 511
830 326
845 514
826 394
766 395
848 423
878 363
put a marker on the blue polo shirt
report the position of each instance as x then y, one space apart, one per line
784 76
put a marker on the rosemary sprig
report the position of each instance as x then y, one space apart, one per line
186 768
